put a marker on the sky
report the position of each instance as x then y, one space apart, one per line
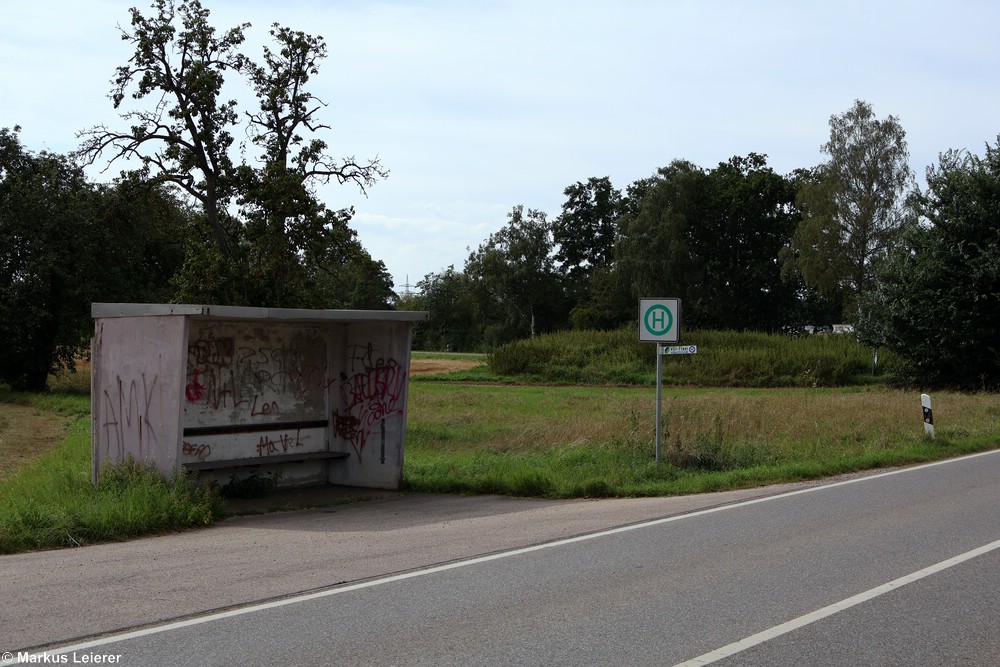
477 107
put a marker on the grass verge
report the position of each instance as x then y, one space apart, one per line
53 503
564 442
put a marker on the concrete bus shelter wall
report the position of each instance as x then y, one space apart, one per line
317 396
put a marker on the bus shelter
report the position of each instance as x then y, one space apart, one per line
309 396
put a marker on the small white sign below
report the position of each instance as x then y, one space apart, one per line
679 349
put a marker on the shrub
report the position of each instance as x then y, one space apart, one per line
724 359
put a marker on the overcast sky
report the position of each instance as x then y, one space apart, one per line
476 107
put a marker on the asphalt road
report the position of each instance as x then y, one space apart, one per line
892 569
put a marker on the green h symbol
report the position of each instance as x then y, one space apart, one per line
658 320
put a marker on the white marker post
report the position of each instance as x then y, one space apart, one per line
660 322
925 403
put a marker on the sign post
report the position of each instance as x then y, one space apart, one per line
660 322
659 401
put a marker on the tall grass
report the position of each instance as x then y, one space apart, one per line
562 442
724 359
53 503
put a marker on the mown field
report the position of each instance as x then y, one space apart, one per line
559 417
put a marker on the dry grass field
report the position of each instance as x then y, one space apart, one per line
25 434
430 365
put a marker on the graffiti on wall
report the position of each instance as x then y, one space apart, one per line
255 376
280 444
371 390
198 451
128 422
251 378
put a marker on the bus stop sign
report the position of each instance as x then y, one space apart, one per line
659 320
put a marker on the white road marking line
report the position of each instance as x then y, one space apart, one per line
796 623
176 625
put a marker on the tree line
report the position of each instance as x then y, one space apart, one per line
199 216
853 240
744 247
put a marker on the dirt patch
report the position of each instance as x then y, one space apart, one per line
429 365
25 434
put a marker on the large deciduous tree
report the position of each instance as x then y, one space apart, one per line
750 217
278 199
653 250
936 298
712 238
66 243
185 135
584 233
261 217
514 279
46 212
854 206
584 236
453 323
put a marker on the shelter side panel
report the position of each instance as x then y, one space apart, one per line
369 403
135 406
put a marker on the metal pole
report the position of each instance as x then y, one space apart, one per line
659 393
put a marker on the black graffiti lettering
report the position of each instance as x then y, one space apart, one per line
286 442
127 425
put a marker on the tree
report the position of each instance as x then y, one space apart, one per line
584 232
186 139
750 216
584 236
45 203
66 244
608 300
653 252
935 297
712 238
140 230
278 199
341 274
854 207
514 278
453 323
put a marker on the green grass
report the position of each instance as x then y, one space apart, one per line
53 503
574 433
564 442
71 405
480 373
